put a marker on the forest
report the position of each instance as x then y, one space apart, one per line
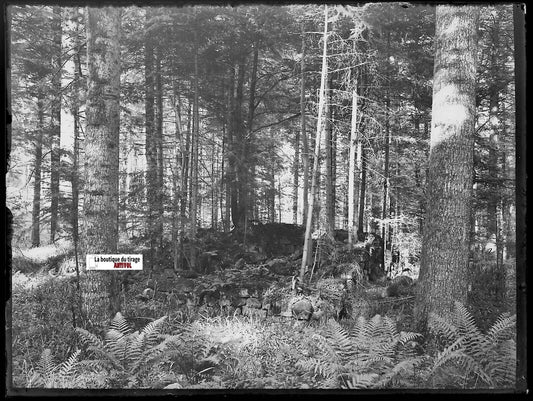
323 197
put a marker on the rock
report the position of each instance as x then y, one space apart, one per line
302 309
279 266
297 254
169 273
400 286
184 285
187 274
240 264
253 303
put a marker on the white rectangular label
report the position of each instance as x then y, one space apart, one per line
114 262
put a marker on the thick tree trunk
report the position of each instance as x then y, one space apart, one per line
55 131
445 244
102 150
307 249
37 164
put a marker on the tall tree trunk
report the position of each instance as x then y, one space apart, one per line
37 164
307 250
177 184
224 211
385 208
76 153
296 176
102 148
305 143
354 142
238 201
328 146
248 143
231 164
386 173
55 155
214 196
361 167
445 244
150 140
159 144
194 158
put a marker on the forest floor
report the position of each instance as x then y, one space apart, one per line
235 325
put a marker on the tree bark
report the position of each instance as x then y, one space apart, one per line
445 244
102 148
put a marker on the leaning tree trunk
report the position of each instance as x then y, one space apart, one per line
307 250
102 155
445 244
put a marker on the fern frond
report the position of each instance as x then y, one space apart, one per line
323 345
470 365
106 357
504 327
120 324
89 339
502 366
152 330
441 326
136 345
408 336
464 321
360 381
400 371
67 367
339 340
46 366
453 351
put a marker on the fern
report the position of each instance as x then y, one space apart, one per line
50 375
128 355
353 357
486 360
